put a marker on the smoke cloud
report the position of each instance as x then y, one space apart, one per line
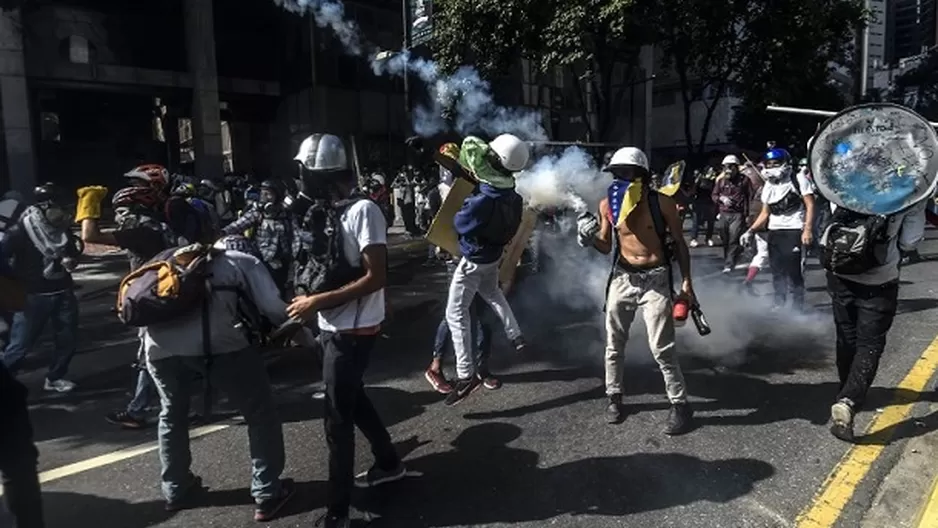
462 102
570 180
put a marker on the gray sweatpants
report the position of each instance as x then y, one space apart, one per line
648 290
468 280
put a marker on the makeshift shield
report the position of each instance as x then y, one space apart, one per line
671 179
876 158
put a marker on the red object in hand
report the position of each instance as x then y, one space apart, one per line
680 312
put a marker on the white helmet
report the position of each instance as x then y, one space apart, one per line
628 156
322 152
378 178
731 160
513 152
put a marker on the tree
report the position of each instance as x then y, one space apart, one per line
752 48
918 87
596 42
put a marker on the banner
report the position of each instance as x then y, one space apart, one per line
420 31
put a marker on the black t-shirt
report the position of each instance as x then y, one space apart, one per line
142 243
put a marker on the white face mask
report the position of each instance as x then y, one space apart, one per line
777 174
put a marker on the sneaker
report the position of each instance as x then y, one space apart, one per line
185 497
59 385
462 390
438 381
266 510
520 344
842 420
693 243
333 521
614 409
126 420
377 476
709 242
489 381
679 420
727 270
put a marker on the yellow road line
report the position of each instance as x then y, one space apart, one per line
929 516
117 456
827 506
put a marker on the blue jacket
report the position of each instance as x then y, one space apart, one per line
487 221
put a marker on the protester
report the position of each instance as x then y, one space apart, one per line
341 267
405 199
270 226
704 210
864 306
788 212
487 221
732 194
18 453
142 234
44 253
761 257
641 276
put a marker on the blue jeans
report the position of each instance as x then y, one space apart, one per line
242 377
481 332
62 310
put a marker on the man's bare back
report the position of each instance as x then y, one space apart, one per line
639 244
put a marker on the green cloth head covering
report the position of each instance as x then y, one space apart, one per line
474 155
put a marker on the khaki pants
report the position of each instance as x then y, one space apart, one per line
649 290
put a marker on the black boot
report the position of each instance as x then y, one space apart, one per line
614 409
679 420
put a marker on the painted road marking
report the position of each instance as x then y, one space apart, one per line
119 455
829 503
929 515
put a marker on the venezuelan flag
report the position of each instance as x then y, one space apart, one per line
623 199
671 179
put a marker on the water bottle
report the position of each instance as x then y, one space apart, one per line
703 327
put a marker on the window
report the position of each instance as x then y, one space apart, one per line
79 50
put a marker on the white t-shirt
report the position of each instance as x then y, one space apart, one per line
363 225
773 192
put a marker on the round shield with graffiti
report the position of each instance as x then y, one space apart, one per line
876 158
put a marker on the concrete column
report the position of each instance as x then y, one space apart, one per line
648 64
206 112
171 132
241 139
15 105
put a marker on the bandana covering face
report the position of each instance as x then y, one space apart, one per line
623 199
474 156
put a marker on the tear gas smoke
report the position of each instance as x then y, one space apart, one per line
570 180
462 101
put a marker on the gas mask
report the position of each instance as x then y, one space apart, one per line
56 215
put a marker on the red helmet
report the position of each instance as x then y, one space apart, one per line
146 197
154 175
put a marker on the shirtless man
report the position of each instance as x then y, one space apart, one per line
640 278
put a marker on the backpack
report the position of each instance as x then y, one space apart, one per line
791 202
318 255
172 283
504 222
854 243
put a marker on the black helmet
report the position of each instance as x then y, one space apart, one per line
47 193
272 186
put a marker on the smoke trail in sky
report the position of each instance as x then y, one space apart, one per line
462 102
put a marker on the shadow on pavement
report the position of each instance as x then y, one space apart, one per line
77 509
484 480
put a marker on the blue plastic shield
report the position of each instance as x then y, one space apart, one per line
876 158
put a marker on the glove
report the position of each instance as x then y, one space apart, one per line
725 200
746 238
586 228
89 202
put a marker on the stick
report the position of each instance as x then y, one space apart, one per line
809 111
573 144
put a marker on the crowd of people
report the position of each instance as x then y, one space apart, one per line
309 254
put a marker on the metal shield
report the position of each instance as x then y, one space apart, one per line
876 158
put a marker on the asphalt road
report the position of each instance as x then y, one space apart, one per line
537 452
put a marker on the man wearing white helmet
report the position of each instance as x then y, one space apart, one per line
487 221
732 194
635 222
340 254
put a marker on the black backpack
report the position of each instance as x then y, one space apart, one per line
504 222
854 243
320 263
